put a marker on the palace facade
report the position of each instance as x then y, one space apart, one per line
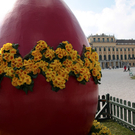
113 52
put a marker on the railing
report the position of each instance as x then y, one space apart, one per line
117 109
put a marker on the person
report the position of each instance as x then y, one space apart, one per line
125 68
128 68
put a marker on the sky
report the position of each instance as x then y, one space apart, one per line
111 17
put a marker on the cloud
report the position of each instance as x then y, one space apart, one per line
118 20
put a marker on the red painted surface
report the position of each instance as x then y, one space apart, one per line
43 112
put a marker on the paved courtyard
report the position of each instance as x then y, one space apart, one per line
118 84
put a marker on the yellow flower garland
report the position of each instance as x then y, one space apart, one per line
56 65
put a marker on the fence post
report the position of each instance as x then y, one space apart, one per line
121 110
111 110
117 108
114 107
133 105
103 98
125 111
98 108
129 112
108 105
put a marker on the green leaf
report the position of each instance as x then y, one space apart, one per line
23 68
17 51
56 89
43 50
34 76
71 73
9 64
25 89
43 73
30 87
1 77
77 75
8 76
15 46
83 82
18 87
74 62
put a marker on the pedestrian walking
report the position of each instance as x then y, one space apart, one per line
128 68
125 68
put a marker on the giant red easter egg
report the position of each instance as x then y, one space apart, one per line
69 111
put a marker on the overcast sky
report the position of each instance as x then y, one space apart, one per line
112 17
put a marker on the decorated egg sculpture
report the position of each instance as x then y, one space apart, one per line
48 71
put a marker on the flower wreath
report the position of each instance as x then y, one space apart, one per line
55 65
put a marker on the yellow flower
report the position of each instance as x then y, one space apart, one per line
94 56
11 57
80 78
42 44
6 56
14 81
59 82
88 49
13 51
28 79
1 57
94 72
64 52
7 46
58 50
20 82
1 71
64 42
68 47
49 54
99 76
60 55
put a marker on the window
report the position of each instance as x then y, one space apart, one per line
109 57
117 57
99 48
120 49
104 49
95 49
132 56
125 57
116 49
121 57
111 39
107 39
124 49
129 56
133 64
128 49
100 57
132 49
113 57
98 39
113 48
94 39
104 57
103 39
108 48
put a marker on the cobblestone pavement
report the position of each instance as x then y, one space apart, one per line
118 84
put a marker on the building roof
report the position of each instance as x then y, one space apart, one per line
125 41
102 35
